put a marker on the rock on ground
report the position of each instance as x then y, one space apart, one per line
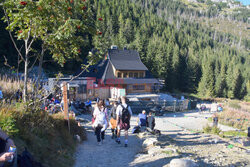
182 163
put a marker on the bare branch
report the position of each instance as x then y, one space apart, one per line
6 62
11 37
33 64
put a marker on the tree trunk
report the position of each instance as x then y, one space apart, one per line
25 78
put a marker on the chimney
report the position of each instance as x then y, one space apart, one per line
114 47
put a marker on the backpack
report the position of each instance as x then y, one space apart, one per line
125 115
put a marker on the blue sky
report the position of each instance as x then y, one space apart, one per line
245 2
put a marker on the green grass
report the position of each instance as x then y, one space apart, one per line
234 104
46 137
235 133
168 152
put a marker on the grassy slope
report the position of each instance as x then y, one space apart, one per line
236 28
46 137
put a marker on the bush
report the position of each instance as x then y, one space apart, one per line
46 137
215 130
207 129
8 124
212 130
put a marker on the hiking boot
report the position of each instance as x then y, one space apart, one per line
118 141
125 145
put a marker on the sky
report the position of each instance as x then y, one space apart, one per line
245 2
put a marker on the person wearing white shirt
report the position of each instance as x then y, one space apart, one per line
100 121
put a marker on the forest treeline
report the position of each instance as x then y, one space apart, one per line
188 56
175 47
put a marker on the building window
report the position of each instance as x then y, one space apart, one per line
125 75
119 75
130 75
141 75
135 75
138 87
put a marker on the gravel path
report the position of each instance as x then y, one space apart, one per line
89 154
189 120
205 150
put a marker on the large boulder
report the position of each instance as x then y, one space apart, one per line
149 142
182 163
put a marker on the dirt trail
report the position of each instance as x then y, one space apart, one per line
110 153
205 150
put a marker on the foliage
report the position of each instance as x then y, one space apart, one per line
215 130
61 25
207 129
235 118
235 133
46 137
175 45
234 104
211 129
8 124
188 56
10 85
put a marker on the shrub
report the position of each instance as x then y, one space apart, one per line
210 129
8 124
46 137
207 129
215 130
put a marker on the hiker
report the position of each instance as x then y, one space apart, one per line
142 120
5 143
18 95
113 120
1 94
100 121
215 120
88 104
123 113
107 102
150 121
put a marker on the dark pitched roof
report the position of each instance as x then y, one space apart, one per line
96 70
126 59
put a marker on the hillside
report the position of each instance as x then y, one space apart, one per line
197 47
177 47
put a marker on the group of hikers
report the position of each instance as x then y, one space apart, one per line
120 116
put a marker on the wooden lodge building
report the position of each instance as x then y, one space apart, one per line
121 72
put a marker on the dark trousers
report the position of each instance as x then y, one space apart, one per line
99 134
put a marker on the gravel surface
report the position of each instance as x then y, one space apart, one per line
179 138
110 153
189 120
